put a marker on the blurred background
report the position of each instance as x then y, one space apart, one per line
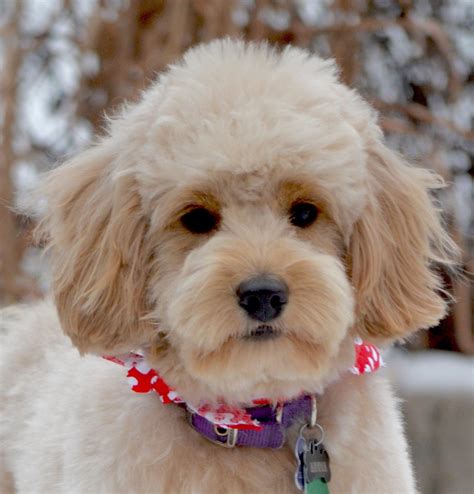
66 64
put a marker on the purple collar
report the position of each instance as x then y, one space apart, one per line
260 425
274 421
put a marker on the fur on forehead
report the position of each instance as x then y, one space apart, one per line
252 112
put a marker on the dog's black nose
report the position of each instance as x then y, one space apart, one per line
263 297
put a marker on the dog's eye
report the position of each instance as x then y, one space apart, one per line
199 220
303 214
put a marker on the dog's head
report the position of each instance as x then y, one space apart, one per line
246 220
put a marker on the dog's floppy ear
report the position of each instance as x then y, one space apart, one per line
394 248
96 236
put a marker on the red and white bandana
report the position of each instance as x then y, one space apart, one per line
143 379
367 358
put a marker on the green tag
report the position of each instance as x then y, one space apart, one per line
317 486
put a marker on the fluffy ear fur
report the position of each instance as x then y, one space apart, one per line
96 236
395 245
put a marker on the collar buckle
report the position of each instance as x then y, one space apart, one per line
230 434
224 432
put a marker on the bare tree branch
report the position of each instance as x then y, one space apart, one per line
9 244
422 114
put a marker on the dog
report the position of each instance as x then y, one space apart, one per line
242 224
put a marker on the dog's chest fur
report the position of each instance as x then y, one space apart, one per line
72 425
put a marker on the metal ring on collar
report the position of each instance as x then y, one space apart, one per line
309 428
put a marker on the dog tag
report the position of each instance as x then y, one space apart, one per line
313 473
300 448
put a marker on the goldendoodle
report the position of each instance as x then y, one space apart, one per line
246 233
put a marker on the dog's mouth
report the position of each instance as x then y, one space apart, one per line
262 332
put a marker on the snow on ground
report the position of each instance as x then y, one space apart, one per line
432 372
437 399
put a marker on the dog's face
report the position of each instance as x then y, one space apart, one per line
246 222
250 285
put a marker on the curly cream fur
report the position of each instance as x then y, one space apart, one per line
245 132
